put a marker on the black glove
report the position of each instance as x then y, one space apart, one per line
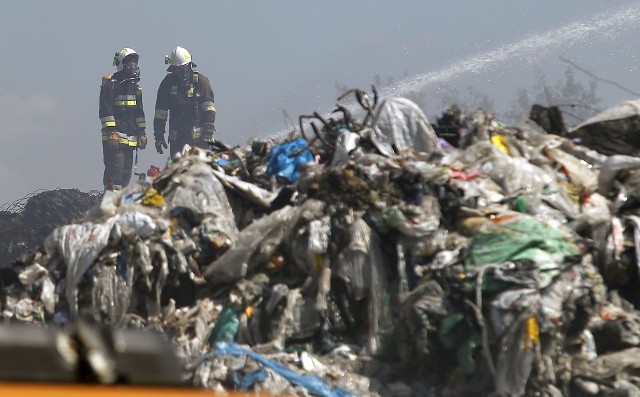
206 139
208 129
160 143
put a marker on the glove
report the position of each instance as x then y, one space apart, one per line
142 142
113 140
208 129
160 143
207 134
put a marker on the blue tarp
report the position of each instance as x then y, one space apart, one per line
312 383
283 165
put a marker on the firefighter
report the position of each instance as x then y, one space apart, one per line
185 98
122 117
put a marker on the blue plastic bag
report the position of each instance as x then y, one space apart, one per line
284 166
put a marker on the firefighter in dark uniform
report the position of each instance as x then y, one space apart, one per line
122 118
185 98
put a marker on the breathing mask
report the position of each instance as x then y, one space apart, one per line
184 75
131 69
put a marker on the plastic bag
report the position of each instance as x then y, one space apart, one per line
143 225
198 190
262 236
401 123
253 193
78 245
319 234
522 238
286 158
611 168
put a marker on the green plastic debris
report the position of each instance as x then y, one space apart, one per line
445 332
521 204
522 239
464 348
226 327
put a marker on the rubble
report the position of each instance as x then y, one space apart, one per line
368 255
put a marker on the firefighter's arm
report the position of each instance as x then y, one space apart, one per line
109 128
207 107
161 115
140 121
106 106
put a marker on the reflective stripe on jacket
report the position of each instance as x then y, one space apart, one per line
121 108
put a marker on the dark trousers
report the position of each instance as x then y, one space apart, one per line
117 165
181 139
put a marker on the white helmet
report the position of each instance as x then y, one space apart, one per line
121 55
179 56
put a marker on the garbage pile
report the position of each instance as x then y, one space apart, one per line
25 223
369 253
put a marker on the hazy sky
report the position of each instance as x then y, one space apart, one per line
265 57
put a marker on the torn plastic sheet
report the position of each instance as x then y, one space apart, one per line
515 359
143 224
111 293
620 111
248 190
400 122
263 235
579 172
395 219
78 245
506 306
200 191
31 274
613 166
347 141
48 295
319 234
613 131
361 265
520 176
524 238
310 382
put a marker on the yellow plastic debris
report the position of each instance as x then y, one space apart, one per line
501 143
152 198
532 336
318 262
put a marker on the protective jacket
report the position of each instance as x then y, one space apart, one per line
120 112
121 109
189 107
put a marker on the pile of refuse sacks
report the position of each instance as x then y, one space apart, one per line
368 253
